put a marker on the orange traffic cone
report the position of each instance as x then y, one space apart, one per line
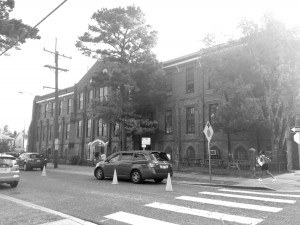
44 172
169 184
115 179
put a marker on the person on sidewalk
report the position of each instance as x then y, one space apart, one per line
263 162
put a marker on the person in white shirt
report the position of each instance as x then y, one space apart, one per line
263 162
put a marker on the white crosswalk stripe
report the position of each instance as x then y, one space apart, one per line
133 219
261 193
205 213
230 204
248 197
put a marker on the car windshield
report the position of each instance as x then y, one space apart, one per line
6 162
34 156
160 156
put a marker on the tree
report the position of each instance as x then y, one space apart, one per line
121 36
13 31
263 69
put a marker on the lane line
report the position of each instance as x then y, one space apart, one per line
230 204
206 214
135 219
47 210
260 193
249 197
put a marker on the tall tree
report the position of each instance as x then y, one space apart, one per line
120 35
264 66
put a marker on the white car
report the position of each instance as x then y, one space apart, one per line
9 170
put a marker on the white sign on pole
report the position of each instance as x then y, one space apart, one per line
297 138
146 141
208 131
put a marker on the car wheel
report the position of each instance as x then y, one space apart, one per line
158 180
14 184
99 174
25 167
136 177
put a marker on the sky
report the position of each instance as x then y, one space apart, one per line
181 27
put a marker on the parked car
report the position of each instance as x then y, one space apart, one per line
30 160
9 170
14 154
136 165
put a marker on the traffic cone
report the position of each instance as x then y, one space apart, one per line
115 179
44 172
169 184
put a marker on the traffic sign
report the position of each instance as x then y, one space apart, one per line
208 131
297 138
294 129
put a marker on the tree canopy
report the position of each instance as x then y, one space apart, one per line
13 31
259 77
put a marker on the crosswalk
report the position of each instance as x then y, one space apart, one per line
221 201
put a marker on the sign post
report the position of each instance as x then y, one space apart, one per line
208 131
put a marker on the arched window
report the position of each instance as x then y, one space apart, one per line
240 154
215 153
169 151
115 149
190 153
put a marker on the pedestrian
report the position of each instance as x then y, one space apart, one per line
263 162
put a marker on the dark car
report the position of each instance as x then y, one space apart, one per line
136 165
9 170
30 160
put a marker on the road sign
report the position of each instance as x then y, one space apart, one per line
146 141
208 131
297 138
294 129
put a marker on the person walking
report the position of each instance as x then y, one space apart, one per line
263 162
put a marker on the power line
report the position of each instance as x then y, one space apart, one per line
35 26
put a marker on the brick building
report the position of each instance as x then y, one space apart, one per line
190 103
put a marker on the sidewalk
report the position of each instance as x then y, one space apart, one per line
286 182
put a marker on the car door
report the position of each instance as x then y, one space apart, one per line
125 164
111 164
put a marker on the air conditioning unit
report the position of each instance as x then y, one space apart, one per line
213 152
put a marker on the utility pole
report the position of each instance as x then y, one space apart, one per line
56 134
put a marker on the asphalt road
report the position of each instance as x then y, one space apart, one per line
58 196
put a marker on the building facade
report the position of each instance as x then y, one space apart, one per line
191 102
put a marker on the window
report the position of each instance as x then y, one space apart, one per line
80 101
190 120
168 121
240 154
102 128
44 133
168 84
50 132
103 92
59 130
52 108
190 153
213 108
88 128
79 128
114 158
69 105
126 157
46 109
67 131
90 95
37 133
190 80
139 156
60 107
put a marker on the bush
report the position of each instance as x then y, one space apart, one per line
75 159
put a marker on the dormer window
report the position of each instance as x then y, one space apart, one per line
105 71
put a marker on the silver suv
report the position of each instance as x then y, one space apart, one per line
9 170
136 165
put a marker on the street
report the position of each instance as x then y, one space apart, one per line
62 197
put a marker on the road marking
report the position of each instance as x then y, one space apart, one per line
135 219
249 197
230 204
206 214
261 193
62 222
47 210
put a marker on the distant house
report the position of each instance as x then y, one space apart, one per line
20 142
